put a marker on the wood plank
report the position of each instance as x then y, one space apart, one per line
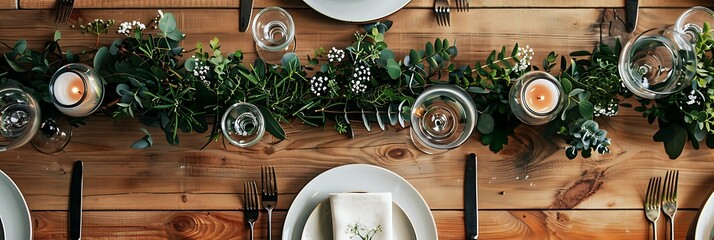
570 224
475 33
530 173
8 4
46 4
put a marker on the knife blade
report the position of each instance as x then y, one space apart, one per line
471 197
75 201
631 9
246 12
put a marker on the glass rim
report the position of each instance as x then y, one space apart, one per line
460 96
290 23
679 23
261 127
528 78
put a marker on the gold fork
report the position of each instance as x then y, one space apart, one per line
669 198
653 200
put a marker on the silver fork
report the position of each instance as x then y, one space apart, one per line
443 12
669 198
270 194
64 10
250 201
653 200
462 5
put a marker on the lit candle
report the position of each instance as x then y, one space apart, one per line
541 96
77 90
68 88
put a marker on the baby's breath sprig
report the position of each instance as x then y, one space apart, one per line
97 27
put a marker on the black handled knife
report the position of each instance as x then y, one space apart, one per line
471 197
631 9
246 12
75 202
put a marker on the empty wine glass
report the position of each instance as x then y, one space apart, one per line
274 33
54 135
443 117
657 63
691 22
19 117
243 125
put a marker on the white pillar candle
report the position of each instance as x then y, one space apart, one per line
77 90
541 96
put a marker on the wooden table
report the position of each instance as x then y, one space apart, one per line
530 190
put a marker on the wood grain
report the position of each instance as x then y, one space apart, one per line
8 4
496 224
46 4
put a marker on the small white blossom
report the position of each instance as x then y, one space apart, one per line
524 57
361 76
318 85
161 14
127 28
201 70
335 55
609 111
693 98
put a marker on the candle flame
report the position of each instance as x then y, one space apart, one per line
76 90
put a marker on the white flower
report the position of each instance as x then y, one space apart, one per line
127 27
524 57
318 85
335 55
161 14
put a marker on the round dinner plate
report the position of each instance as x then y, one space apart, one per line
14 212
356 10
360 178
705 221
319 224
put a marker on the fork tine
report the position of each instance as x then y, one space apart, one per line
648 193
448 16
658 194
255 196
262 179
667 186
274 189
676 185
60 5
245 195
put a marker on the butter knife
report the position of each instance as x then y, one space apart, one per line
631 9
75 201
246 12
471 197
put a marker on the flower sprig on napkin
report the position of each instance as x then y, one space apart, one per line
362 231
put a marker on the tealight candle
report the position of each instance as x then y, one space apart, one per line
77 90
68 88
536 98
541 96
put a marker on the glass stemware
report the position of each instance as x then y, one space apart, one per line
691 22
657 63
274 33
19 118
54 135
243 125
443 117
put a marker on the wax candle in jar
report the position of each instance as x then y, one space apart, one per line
68 88
541 96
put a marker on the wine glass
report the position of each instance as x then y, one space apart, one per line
54 135
274 33
243 124
442 117
691 22
19 117
657 63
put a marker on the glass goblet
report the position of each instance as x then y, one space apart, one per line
691 22
54 135
274 33
443 117
19 118
657 63
243 125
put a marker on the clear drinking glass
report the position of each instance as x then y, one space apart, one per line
443 117
657 63
519 98
691 22
54 135
274 33
243 125
19 117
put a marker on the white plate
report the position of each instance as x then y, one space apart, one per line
356 10
13 210
705 221
360 178
319 224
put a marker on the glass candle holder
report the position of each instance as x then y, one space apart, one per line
54 135
243 125
19 118
274 33
76 90
536 98
657 63
443 117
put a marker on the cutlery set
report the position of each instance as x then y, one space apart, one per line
269 198
664 198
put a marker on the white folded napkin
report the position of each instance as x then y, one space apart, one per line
361 213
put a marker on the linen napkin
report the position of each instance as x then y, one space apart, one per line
358 216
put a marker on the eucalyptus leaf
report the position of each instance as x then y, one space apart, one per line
586 109
100 58
393 69
485 123
271 125
365 121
